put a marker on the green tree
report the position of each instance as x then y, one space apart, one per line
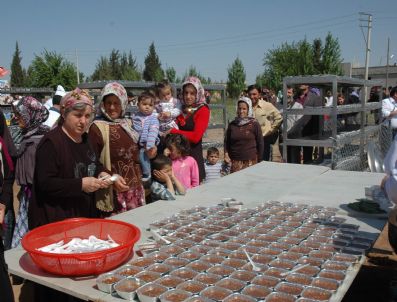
115 64
103 70
192 71
170 74
52 69
331 59
301 58
152 70
17 73
317 54
119 66
236 79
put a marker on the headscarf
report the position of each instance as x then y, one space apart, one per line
77 96
118 90
200 97
240 121
33 114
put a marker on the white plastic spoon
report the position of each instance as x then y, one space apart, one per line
255 268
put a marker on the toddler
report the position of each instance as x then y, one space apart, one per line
164 185
184 166
168 107
146 124
214 169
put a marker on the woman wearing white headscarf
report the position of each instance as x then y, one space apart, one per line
243 138
115 143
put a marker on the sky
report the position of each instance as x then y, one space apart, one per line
207 34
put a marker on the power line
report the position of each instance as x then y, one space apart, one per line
240 37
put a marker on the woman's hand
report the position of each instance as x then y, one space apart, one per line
164 116
105 177
227 158
2 213
152 152
161 176
120 184
92 184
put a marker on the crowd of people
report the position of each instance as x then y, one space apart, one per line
80 159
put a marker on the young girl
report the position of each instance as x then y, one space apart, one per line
243 139
164 185
184 166
168 107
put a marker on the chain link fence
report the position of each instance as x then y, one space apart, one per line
350 152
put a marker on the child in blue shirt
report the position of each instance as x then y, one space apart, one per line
165 184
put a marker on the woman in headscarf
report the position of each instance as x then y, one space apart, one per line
30 115
115 143
193 121
67 170
243 138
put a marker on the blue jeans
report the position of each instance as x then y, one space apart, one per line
145 163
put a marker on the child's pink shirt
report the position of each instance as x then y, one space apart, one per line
186 170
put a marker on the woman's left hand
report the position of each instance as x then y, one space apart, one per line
120 184
105 177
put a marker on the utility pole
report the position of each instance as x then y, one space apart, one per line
77 68
367 41
387 64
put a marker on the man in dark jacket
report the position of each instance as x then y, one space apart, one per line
310 123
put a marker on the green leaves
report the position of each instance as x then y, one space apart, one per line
236 79
153 70
51 69
301 58
18 76
119 66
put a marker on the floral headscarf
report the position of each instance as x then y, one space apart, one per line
33 114
74 97
119 91
200 98
244 120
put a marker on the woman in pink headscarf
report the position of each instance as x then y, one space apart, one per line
193 121
67 170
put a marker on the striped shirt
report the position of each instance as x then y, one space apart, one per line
148 128
212 172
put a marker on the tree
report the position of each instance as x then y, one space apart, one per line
17 73
170 74
116 65
301 58
52 69
119 66
331 59
102 70
317 54
236 79
152 70
192 71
